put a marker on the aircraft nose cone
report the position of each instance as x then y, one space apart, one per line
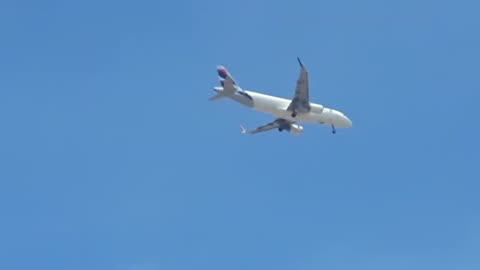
341 120
347 121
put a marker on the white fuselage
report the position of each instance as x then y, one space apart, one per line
318 114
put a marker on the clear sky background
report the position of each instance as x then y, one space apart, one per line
111 157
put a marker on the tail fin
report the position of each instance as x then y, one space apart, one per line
226 80
224 74
229 86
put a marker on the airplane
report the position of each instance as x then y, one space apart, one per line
288 113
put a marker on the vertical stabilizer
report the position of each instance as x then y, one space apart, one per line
226 80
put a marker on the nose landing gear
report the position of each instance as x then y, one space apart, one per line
333 129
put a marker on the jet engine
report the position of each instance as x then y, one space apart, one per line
295 129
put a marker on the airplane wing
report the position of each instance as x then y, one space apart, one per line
272 125
301 102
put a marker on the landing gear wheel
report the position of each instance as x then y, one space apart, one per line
333 129
280 129
294 114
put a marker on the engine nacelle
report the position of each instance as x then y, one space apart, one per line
296 129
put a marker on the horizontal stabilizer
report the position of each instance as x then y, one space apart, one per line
217 96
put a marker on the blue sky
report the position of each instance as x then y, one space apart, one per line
112 157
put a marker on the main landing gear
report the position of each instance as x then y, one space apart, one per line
333 129
294 114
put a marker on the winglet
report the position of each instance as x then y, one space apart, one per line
242 129
300 62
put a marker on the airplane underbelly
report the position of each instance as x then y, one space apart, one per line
287 115
266 107
269 105
308 117
278 108
304 117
